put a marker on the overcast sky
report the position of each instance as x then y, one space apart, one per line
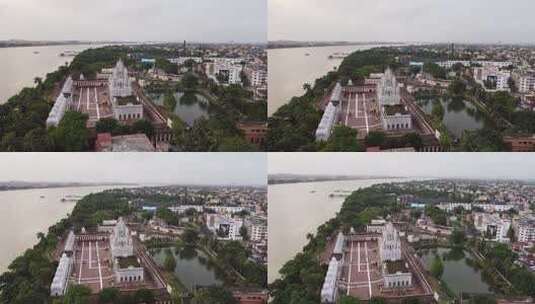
407 20
135 20
167 168
468 165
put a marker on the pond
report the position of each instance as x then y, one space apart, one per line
460 271
189 109
460 115
193 267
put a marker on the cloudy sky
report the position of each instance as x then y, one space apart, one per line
468 165
134 20
166 168
406 20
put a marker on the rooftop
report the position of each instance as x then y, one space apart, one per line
132 143
396 109
128 262
393 267
123 101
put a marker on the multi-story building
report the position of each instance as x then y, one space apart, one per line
525 82
223 227
525 229
492 226
257 229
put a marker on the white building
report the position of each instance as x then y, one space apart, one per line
183 208
223 227
524 82
330 116
69 243
492 226
329 290
61 277
121 241
119 82
394 115
225 70
125 104
390 244
61 104
388 92
257 75
525 229
257 229
493 74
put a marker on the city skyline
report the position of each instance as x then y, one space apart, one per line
419 165
142 168
145 20
408 21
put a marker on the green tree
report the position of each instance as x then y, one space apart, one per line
438 111
143 126
244 233
215 295
343 139
435 70
414 140
375 138
144 296
236 144
348 300
437 267
457 237
71 135
77 294
190 82
169 263
190 237
107 125
169 101
37 140
109 295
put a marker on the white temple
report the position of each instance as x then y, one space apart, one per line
394 115
121 241
388 93
120 85
390 244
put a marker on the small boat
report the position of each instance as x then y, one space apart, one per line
307 54
42 196
36 52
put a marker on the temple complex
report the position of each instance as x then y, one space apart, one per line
377 263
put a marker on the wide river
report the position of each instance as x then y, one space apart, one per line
298 209
24 213
290 69
20 65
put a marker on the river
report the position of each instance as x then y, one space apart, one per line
289 69
20 65
24 213
298 209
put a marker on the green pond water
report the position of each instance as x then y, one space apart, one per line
192 266
460 272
